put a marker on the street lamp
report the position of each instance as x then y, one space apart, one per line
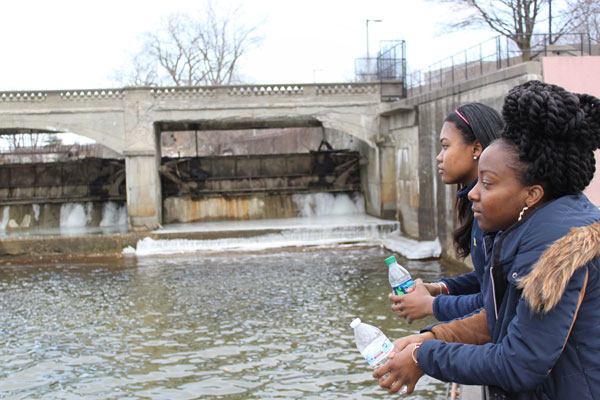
368 56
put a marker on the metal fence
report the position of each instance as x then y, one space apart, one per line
390 63
495 54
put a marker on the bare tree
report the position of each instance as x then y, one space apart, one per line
141 72
193 50
31 140
514 19
584 17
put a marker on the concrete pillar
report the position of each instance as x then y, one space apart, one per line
142 159
371 180
143 190
365 127
388 181
400 169
428 139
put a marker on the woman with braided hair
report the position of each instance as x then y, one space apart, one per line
465 133
537 337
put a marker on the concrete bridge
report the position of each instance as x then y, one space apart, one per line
130 121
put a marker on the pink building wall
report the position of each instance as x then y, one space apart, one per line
579 75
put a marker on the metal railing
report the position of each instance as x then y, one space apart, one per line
492 55
389 65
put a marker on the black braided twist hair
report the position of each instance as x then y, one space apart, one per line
556 133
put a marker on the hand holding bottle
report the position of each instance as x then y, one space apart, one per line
372 343
399 277
401 373
415 305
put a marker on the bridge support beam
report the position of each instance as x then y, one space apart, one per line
144 209
142 160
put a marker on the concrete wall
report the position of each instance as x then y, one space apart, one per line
423 204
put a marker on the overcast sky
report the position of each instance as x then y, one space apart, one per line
63 44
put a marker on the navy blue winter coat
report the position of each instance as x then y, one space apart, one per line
526 357
465 289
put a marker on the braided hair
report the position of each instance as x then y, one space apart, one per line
555 133
479 122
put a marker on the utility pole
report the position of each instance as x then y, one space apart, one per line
549 21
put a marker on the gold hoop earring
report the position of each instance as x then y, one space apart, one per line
522 213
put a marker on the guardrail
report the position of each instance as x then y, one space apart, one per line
185 92
494 54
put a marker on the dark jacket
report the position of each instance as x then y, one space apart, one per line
532 283
465 289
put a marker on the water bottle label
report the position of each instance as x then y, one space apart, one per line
404 288
375 354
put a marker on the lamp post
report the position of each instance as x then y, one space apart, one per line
368 56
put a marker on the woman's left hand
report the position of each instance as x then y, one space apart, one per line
415 305
402 370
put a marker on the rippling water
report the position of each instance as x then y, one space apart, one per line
242 326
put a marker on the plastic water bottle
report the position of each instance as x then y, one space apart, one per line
372 343
399 277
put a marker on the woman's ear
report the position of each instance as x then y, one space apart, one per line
477 149
535 194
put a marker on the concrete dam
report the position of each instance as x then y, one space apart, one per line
193 188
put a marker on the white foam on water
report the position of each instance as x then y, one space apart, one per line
325 220
317 236
384 233
412 249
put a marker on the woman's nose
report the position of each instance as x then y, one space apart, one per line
473 194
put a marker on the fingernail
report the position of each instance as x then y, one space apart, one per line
403 390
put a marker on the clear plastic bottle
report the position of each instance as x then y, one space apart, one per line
399 277
372 343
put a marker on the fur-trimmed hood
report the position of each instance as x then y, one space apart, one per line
544 286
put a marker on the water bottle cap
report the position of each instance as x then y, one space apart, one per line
390 260
355 322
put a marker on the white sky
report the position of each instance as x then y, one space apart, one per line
76 44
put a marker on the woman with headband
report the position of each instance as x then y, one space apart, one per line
465 133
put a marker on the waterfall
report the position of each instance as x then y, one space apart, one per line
324 219
321 204
5 216
75 215
36 211
327 231
113 215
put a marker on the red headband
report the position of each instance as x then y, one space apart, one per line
462 117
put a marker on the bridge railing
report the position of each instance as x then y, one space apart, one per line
195 92
39 96
275 90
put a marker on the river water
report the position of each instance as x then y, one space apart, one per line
257 325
